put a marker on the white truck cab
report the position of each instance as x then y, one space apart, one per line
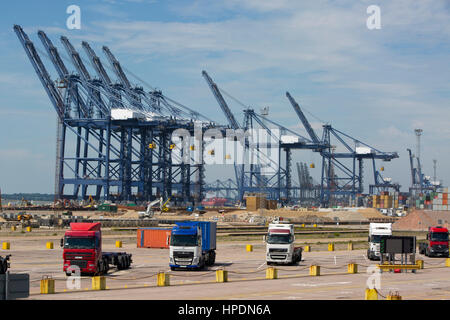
280 247
376 230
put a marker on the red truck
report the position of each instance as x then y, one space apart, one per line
436 244
82 247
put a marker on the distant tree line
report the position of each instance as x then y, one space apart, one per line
29 196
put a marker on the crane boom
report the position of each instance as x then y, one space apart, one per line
303 119
53 93
117 68
223 105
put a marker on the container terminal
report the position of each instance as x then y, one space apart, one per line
131 174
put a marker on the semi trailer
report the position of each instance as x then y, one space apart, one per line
82 251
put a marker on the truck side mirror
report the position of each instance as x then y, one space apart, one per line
61 243
368 238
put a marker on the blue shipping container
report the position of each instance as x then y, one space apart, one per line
208 232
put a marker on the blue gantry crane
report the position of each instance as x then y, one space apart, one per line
126 158
254 178
339 179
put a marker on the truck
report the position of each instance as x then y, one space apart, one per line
376 230
82 248
193 245
436 242
280 247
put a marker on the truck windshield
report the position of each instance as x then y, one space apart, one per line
183 240
79 243
279 238
439 236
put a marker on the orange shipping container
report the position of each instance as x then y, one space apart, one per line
153 238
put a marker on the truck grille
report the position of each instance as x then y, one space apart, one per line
75 255
183 258
277 250
278 256
80 263
439 247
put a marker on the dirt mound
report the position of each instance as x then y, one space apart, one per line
421 220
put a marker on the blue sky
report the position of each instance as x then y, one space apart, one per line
376 85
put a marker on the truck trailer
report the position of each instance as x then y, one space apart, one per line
193 245
280 248
82 249
436 243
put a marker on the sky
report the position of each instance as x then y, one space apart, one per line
376 85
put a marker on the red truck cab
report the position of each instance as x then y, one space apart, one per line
437 242
82 248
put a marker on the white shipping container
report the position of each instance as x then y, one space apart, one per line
124 114
289 139
363 150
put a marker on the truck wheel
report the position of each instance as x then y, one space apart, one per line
212 258
172 268
119 263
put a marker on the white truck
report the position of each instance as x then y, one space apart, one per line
280 247
376 230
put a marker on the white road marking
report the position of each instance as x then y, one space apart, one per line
318 284
261 265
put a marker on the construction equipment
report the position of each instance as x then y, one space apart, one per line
92 203
164 206
24 217
149 213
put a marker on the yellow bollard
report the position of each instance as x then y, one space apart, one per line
49 245
163 279
314 225
249 248
307 248
393 296
350 246
28 229
331 247
6 245
314 270
447 262
303 225
420 263
98 283
371 294
271 273
352 268
47 285
221 276
13 228
118 244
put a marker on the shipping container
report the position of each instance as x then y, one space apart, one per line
153 237
209 230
